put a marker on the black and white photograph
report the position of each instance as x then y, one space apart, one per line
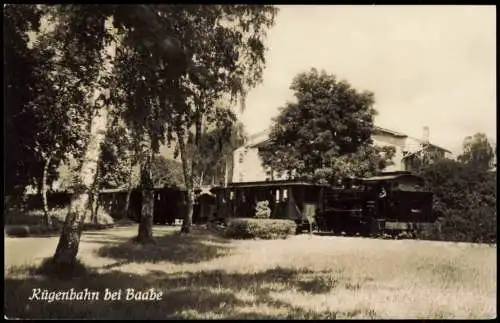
249 161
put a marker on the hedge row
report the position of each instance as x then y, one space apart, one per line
252 228
41 230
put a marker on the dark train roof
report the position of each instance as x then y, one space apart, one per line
282 183
158 188
391 176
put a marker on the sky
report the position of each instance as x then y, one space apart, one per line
428 66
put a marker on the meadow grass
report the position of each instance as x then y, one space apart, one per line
204 276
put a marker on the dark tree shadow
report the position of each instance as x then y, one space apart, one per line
202 294
205 294
196 247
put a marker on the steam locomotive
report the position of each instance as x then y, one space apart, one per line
389 203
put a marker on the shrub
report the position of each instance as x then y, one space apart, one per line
103 217
18 217
58 216
17 230
260 228
262 210
429 231
31 223
41 229
464 199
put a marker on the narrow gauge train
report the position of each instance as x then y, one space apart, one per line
286 199
386 204
390 203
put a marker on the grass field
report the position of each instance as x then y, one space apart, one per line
203 276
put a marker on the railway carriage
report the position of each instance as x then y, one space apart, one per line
390 203
295 200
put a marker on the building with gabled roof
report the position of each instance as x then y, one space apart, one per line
247 164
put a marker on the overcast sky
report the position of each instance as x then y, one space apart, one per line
427 65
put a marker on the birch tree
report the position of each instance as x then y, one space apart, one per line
227 50
67 247
151 61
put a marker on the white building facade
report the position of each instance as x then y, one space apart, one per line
247 164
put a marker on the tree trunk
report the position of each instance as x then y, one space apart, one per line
96 205
46 215
225 173
188 179
94 199
126 212
201 179
129 193
145 234
67 248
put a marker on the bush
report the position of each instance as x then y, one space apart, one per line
475 224
31 230
429 231
464 200
262 210
57 215
41 229
17 230
260 228
18 217
31 223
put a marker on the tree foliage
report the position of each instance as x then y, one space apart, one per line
326 133
172 64
19 81
216 151
167 172
119 157
226 48
477 151
464 199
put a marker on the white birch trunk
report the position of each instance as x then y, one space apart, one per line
67 248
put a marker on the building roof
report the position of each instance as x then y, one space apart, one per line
390 132
262 137
425 146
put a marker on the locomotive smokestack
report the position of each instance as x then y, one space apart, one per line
425 135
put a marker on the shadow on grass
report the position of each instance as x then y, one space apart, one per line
196 247
200 295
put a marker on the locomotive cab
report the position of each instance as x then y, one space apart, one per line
387 203
399 201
